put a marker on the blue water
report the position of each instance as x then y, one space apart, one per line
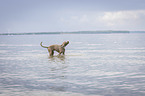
94 64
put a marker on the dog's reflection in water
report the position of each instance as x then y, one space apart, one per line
58 58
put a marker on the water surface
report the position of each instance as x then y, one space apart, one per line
94 64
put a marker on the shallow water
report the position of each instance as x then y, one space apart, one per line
94 64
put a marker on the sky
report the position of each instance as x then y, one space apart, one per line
71 15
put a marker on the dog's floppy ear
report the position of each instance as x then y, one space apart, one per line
65 43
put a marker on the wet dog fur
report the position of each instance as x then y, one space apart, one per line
59 48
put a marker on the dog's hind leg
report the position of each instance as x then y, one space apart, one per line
51 52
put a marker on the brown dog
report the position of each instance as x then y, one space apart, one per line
59 48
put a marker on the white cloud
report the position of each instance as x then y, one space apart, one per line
119 20
124 19
87 21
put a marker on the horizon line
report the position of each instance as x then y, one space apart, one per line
73 32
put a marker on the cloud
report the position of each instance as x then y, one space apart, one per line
81 21
124 19
110 20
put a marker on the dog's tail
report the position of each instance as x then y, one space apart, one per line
43 46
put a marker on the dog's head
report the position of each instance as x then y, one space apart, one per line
65 43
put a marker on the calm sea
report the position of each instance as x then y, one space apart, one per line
94 64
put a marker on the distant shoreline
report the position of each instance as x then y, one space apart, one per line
75 32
